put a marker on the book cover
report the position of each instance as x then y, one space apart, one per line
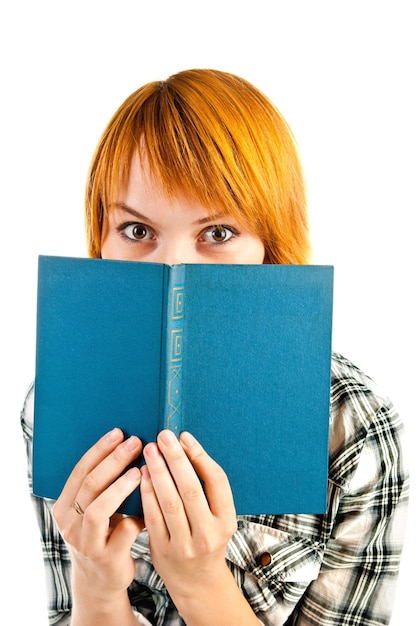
239 355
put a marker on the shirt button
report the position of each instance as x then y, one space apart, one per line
264 559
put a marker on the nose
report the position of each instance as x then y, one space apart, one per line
176 252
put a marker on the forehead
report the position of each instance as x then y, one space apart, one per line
140 187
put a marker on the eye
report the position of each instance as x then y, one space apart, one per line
218 234
136 231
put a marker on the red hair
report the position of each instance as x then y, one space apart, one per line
217 139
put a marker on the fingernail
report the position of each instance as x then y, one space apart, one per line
133 474
131 443
167 437
151 451
113 435
188 439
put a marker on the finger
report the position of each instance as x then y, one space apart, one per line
96 521
217 486
108 470
101 449
185 478
153 516
125 533
166 491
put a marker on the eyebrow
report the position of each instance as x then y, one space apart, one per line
125 207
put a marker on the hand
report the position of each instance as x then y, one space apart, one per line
99 540
188 529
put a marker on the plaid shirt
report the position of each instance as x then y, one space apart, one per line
339 568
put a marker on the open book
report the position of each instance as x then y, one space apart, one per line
239 355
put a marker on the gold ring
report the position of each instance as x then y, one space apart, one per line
77 508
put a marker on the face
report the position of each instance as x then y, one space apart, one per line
145 225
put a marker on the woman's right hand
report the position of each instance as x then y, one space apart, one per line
98 539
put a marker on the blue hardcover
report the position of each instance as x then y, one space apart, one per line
239 355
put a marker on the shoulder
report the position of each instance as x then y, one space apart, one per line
355 398
351 386
363 421
26 415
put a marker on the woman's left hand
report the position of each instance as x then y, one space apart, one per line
188 528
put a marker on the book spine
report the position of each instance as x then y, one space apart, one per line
172 357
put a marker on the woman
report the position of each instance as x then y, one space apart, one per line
202 168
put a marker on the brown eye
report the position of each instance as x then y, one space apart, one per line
139 231
136 232
219 234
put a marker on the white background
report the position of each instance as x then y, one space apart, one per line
344 74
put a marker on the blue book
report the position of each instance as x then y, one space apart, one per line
239 355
